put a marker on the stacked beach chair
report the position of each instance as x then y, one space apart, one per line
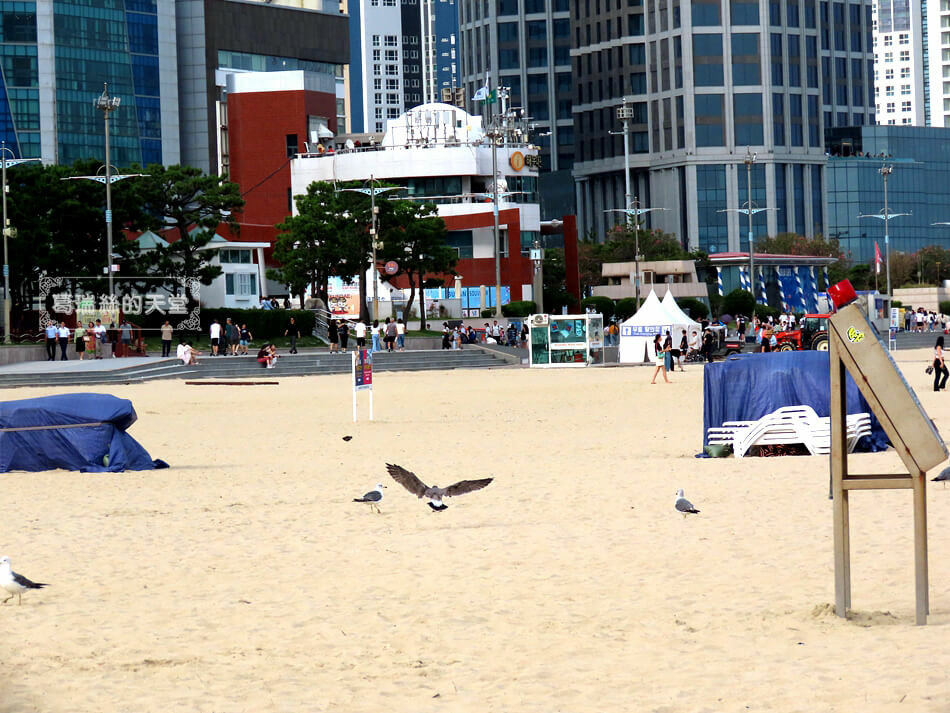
786 426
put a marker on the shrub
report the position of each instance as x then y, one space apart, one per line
764 311
738 302
600 304
945 307
625 308
262 323
898 303
519 309
695 308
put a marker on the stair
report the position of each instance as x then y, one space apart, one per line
243 367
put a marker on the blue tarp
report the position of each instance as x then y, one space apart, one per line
36 446
750 386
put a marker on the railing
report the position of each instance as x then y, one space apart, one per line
321 329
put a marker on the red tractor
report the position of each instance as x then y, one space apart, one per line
812 333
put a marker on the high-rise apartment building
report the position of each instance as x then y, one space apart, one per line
402 53
901 62
704 82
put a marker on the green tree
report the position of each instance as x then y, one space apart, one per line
794 244
191 206
738 302
554 275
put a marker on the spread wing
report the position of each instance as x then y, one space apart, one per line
407 479
466 486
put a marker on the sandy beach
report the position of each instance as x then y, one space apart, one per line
244 578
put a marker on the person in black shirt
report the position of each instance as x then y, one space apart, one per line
344 334
293 331
333 335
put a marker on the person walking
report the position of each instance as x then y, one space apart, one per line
245 338
101 338
659 358
375 331
344 334
940 368
125 336
446 336
79 335
684 350
401 334
167 334
233 335
52 334
63 334
668 350
360 331
333 335
390 335
293 331
214 331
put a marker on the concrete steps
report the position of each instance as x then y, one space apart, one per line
243 367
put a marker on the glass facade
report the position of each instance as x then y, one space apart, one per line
111 41
710 200
920 158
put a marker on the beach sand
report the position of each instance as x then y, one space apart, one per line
244 578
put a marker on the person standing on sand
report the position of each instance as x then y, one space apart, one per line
660 358
940 368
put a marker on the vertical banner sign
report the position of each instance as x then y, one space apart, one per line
363 377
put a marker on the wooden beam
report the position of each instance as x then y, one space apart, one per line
232 383
839 471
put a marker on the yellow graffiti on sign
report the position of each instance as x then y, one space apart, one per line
854 335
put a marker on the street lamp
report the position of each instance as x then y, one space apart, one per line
372 192
625 114
885 215
107 105
8 232
635 211
750 211
537 283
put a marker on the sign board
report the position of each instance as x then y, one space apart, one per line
391 267
363 370
895 318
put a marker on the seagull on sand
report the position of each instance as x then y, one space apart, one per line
435 494
14 584
943 477
372 497
683 505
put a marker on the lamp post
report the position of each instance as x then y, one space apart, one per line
749 210
372 192
635 212
537 283
625 114
885 215
107 105
8 232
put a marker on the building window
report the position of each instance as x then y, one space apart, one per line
905 56
710 129
378 98
392 70
905 72
377 83
889 90
242 284
377 55
890 107
392 98
392 41
378 112
392 55
707 60
905 106
376 70
375 40
888 74
291 140
903 38
888 40
888 56
392 112
392 84
905 89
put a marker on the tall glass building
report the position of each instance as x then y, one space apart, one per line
705 81
56 56
920 158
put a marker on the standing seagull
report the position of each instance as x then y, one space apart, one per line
683 505
13 583
435 494
372 497
943 477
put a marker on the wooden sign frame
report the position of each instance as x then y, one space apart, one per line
855 348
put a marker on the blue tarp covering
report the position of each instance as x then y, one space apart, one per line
73 448
750 386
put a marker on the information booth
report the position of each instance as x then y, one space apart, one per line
566 339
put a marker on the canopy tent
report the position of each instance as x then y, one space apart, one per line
750 386
636 333
669 304
85 432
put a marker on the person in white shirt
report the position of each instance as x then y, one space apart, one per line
360 330
187 354
215 332
101 338
400 334
63 334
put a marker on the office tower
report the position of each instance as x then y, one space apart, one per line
56 56
707 84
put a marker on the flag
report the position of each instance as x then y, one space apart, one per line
483 92
877 258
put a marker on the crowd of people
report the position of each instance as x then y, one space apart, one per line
95 339
455 337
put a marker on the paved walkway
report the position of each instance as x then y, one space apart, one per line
76 365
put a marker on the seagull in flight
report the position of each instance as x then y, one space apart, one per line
683 505
372 497
435 494
14 584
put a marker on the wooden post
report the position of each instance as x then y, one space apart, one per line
839 471
920 548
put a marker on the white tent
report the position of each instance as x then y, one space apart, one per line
636 333
681 320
